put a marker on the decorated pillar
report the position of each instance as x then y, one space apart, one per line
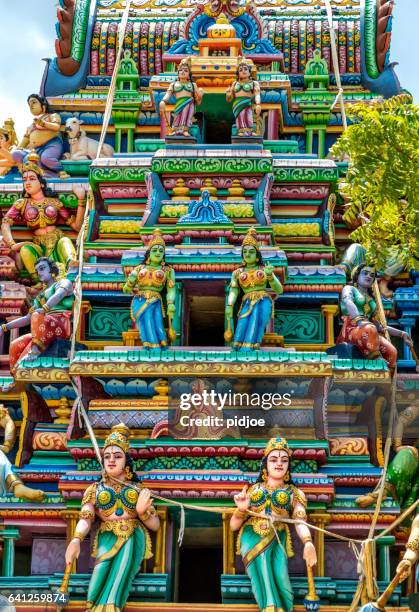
9 535
71 516
316 103
228 546
320 520
127 103
383 550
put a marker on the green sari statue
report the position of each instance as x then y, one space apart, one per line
265 558
402 478
122 540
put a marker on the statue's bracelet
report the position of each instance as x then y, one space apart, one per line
79 536
4 327
359 318
45 308
148 514
241 514
307 539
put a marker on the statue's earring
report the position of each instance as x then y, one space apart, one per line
287 477
128 473
264 475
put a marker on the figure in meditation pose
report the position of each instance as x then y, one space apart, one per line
256 307
360 325
49 317
43 135
148 281
9 482
272 496
122 540
188 96
244 92
41 211
8 142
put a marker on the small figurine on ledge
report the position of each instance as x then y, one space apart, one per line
49 317
9 482
243 93
8 142
148 281
43 135
41 211
188 96
360 325
256 307
264 557
122 540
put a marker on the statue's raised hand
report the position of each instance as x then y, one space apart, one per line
242 500
269 270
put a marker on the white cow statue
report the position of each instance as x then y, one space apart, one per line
81 146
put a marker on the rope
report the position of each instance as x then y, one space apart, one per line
339 97
366 561
122 26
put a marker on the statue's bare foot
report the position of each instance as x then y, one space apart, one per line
186 133
24 492
33 354
363 501
8 387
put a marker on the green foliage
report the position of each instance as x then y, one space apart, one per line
382 182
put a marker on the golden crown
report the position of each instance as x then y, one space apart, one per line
157 239
277 444
118 437
251 238
185 62
8 130
32 164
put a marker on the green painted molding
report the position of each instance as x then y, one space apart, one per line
370 35
80 21
307 175
211 165
114 174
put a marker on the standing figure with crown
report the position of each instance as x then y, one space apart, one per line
265 558
8 142
244 92
148 281
256 308
41 211
188 96
122 540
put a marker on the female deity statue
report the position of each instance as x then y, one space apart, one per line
41 211
43 136
360 325
188 96
125 515
244 92
49 317
148 281
256 306
265 558
8 142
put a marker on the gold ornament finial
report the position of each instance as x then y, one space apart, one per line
251 238
277 444
32 164
157 239
118 437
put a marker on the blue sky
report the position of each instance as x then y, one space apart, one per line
28 34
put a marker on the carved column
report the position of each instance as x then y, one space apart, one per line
71 518
161 539
320 520
329 311
228 546
9 535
